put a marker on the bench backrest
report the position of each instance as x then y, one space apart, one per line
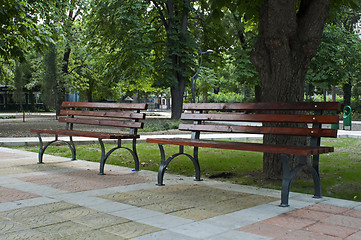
123 115
297 119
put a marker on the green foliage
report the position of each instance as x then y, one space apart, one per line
6 72
226 97
119 32
21 28
331 66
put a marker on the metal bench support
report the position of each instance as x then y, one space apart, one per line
43 147
164 163
105 155
289 175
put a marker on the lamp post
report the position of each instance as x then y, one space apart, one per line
194 78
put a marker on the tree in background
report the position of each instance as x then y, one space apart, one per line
145 43
337 62
174 69
118 38
50 91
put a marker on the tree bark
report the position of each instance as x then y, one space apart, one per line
287 40
347 87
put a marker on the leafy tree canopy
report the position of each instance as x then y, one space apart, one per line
22 27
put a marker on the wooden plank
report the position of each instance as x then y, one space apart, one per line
254 147
102 135
314 132
125 115
289 118
112 123
105 105
325 106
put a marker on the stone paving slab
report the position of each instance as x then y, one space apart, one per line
317 221
190 201
83 180
65 199
8 195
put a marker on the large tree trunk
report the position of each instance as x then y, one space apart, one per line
177 100
287 40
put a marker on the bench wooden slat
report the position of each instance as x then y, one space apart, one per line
125 115
100 105
297 118
254 147
128 124
325 106
102 135
314 132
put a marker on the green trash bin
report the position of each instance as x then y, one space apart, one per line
347 117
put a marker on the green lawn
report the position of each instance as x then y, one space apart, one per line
340 171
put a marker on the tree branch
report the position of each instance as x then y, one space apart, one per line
160 11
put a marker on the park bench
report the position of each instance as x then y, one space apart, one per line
107 121
291 119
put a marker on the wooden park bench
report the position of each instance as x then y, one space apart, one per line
113 116
291 119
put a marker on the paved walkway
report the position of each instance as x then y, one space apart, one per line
65 199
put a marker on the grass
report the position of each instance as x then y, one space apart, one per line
340 171
156 124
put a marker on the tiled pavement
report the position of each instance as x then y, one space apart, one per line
65 199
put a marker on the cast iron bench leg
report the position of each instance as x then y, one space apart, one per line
164 163
43 147
135 155
289 175
72 148
316 176
286 180
105 155
196 164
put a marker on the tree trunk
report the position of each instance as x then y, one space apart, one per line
89 95
178 60
60 89
177 100
347 94
333 93
287 40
